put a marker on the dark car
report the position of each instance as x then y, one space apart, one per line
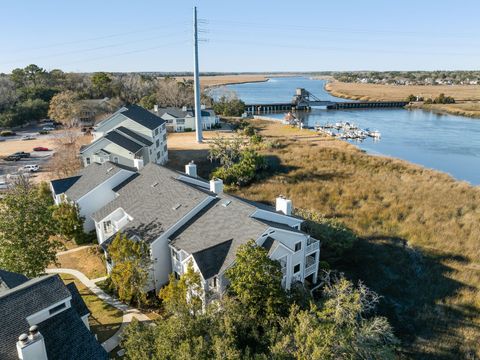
12 158
40 148
21 154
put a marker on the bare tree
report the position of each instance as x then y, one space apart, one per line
66 160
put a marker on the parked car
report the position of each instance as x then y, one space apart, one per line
40 148
22 154
28 137
31 168
12 158
48 128
8 133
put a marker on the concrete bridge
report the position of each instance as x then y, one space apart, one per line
304 100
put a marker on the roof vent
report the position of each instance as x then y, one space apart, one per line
226 203
109 169
176 207
154 184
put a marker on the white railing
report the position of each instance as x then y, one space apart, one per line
313 247
309 270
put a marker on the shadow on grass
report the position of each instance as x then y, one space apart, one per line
415 288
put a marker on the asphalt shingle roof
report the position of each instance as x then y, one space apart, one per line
10 280
92 176
142 116
121 140
62 185
65 335
227 220
134 135
155 199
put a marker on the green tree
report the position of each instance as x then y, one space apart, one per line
131 267
102 84
226 150
26 225
183 296
69 223
255 280
229 106
244 170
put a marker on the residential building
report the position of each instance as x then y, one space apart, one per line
179 120
185 219
44 319
91 188
92 110
130 136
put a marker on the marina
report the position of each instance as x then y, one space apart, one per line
444 142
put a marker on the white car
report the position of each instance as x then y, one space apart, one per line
48 128
31 168
28 137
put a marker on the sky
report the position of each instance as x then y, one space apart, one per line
241 35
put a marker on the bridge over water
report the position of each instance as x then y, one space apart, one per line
304 100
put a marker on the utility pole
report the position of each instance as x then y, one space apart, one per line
196 76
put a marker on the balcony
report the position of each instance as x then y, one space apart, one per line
310 265
312 245
310 270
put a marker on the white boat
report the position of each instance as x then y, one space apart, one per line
374 134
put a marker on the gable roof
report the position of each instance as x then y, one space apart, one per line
89 178
210 261
179 113
142 116
10 280
155 200
134 135
121 140
62 185
64 337
226 220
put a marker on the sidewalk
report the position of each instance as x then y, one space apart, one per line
128 312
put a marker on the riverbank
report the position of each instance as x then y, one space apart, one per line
467 96
222 80
418 231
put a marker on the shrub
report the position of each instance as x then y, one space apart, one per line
256 139
7 133
249 130
188 130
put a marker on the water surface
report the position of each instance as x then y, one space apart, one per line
444 142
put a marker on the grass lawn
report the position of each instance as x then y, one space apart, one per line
105 320
86 260
419 234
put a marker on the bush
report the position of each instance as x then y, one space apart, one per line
7 133
249 130
335 237
188 130
256 139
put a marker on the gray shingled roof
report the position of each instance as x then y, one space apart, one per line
62 185
142 116
10 280
226 220
279 225
155 199
121 140
67 337
178 113
134 135
24 300
92 176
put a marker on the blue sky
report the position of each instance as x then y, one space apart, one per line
246 35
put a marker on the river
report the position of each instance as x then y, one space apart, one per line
443 142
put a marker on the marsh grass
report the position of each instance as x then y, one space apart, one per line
419 234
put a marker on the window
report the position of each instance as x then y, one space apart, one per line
57 308
214 282
175 255
165 148
157 143
159 154
115 159
164 137
156 131
163 126
296 269
298 246
107 226
177 277
87 160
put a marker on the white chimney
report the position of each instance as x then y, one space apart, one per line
155 108
284 205
203 107
31 346
216 186
184 108
138 163
191 169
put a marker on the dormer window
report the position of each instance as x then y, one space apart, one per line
57 309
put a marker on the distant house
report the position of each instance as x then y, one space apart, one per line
179 120
92 110
132 136
43 319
